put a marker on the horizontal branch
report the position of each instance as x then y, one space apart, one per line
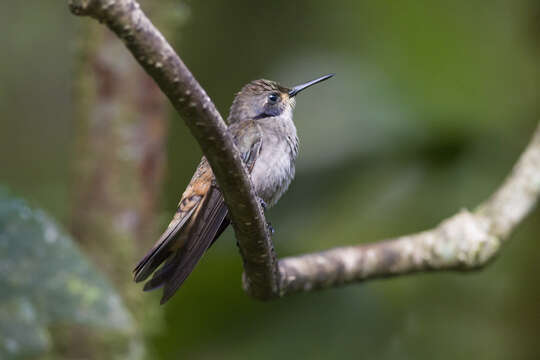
157 57
465 241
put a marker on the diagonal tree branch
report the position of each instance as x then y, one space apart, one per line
157 57
465 241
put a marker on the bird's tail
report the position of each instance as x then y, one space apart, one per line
206 224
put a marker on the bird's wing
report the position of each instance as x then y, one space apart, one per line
249 158
200 219
206 224
248 139
170 240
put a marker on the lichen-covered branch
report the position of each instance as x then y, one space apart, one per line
157 57
465 241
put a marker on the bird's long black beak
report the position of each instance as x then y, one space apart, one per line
295 90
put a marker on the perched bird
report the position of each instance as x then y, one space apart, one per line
260 122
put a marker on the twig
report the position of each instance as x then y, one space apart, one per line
465 241
157 57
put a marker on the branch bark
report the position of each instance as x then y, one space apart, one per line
465 241
157 57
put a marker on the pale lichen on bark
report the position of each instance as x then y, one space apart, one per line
519 194
465 241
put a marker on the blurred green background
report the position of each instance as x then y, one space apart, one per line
431 105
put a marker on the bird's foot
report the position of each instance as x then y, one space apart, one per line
270 228
265 206
263 203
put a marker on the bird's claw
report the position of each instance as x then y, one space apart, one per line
263 204
270 228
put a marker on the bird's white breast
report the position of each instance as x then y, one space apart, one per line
275 166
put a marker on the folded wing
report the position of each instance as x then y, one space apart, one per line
200 219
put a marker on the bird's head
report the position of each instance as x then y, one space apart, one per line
262 99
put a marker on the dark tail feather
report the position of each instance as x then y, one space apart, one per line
163 273
167 270
209 221
161 251
150 264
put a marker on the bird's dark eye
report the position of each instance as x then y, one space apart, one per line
273 97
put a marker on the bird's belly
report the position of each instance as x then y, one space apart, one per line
273 172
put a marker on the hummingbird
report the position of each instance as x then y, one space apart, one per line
261 124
